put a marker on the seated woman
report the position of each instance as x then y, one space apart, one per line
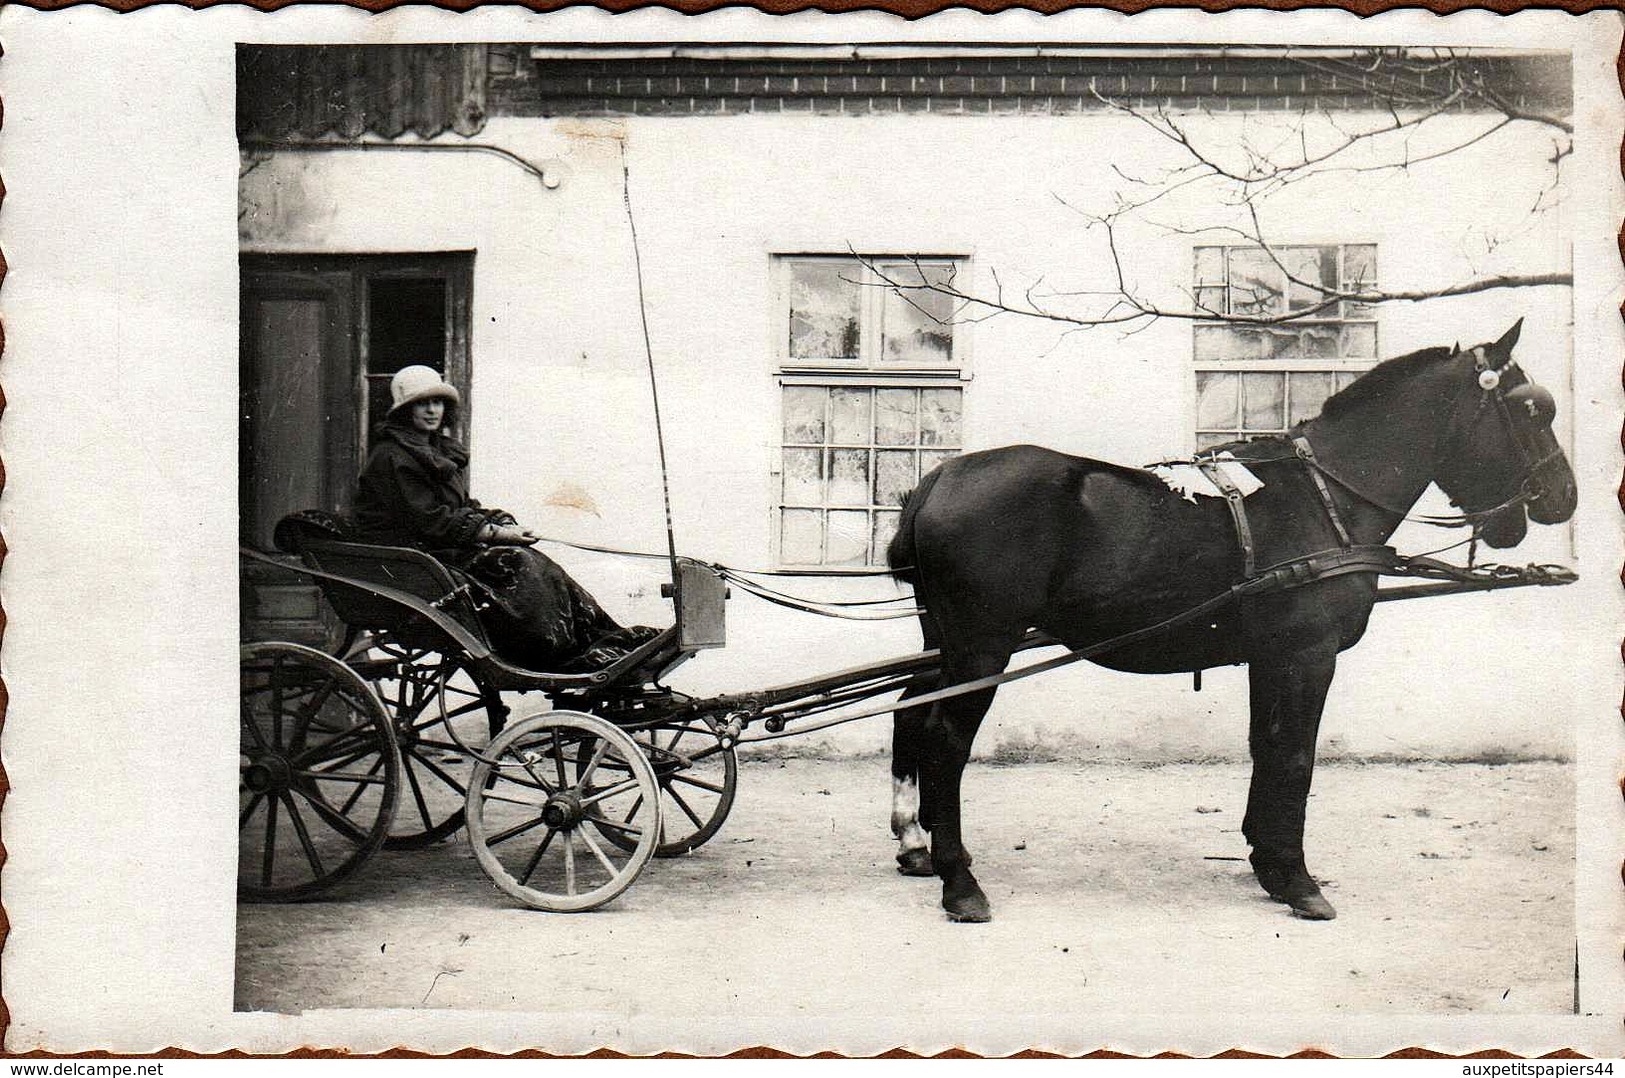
413 491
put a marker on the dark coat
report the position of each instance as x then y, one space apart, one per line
413 492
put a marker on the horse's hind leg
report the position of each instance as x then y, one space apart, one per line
1287 696
913 854
949 734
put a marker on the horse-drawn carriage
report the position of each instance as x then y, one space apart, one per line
402 737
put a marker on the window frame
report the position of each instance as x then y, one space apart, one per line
1347 313
868 370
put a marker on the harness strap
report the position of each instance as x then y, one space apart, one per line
1238 512
1306 453
1293 573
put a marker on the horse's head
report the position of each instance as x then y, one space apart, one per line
1499 460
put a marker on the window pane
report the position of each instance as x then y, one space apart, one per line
1255 282
849 477
804 476
804 414
1347 378
895 416
1216 400
1308 391
894 475
824 310
801 536
1210 300
1230 344
1263 401
916 325
939 417
1318 342
929 459
849 417
1210 265
1208 441
848 537
1360 340
1316 267
885 528
1359 266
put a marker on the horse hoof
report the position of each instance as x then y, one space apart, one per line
1312 908
969 908
915 863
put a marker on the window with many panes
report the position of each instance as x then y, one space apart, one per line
870 398
1261 379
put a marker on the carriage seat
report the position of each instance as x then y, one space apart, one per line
327 541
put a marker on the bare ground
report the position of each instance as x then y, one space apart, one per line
1116 888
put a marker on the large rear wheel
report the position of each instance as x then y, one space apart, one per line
541 801
318 773
443 716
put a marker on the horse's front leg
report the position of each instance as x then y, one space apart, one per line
1288 694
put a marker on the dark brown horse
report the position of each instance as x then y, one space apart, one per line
1001 541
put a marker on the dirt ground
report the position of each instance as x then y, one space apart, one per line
1116 888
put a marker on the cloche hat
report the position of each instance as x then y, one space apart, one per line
416 383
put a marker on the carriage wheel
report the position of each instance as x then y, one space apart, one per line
537 818
310 808
443 717
698 778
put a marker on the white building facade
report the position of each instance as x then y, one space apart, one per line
482 221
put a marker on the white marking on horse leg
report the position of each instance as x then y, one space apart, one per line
905 814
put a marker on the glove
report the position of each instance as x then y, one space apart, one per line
508 535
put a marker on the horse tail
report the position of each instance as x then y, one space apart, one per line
901 551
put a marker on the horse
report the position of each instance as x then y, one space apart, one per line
1005 540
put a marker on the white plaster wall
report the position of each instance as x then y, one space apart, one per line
562 406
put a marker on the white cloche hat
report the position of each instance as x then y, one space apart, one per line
416 383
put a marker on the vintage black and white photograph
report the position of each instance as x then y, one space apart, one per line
860 535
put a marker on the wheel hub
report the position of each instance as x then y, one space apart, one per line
267 773
563 811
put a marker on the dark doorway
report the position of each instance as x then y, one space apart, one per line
320 337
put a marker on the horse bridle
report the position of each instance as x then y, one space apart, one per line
1528 396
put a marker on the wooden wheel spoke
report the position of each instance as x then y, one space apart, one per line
592 765
609 791
318 699
362 734
536 858
558 760
435 770
690 780
687 811
417 792
355 794
506 800
309 847
569 863
248 810
515 831
624 828
342 776
333 817
609 866
253 727
268 860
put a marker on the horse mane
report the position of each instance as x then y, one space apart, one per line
1381 380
